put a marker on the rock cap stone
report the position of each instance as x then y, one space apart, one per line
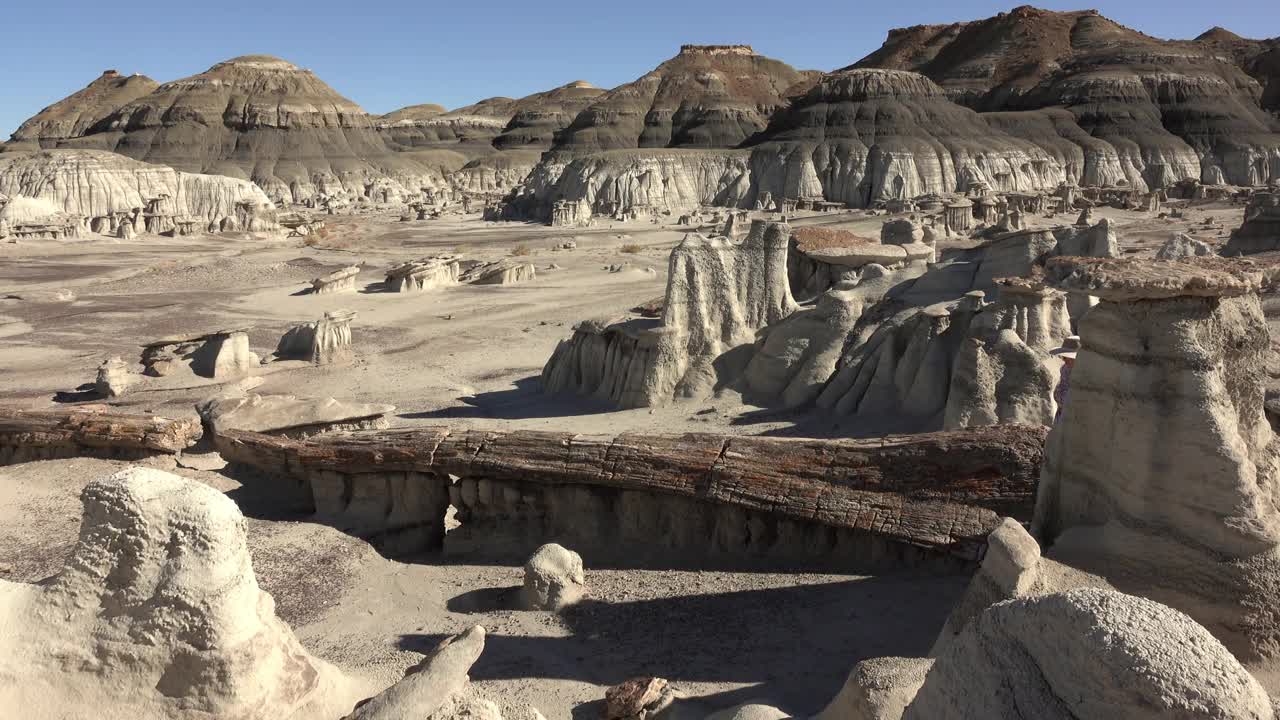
1126 279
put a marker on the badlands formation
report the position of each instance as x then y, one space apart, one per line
942 385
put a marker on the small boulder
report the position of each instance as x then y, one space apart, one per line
553 579
1087 653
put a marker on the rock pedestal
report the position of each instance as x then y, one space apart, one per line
1161 474
220 355
324 342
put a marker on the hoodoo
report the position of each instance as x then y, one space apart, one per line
1167 395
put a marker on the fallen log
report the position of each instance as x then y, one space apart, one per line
37 434
944 490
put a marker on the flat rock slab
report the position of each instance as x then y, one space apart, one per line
1125 280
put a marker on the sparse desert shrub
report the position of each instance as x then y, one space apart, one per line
521 250
631 248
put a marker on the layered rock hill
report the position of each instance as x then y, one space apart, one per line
707 96
1174 109
78 113
262 119
1259 58
95 184
470 129
538 117
860 136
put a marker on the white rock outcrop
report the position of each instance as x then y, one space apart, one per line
157 614
720 291
92 184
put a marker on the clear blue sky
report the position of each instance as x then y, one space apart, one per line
385 54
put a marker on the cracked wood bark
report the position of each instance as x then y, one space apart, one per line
935 489
95 429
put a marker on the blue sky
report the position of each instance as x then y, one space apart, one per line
391 53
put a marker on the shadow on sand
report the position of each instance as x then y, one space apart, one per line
794 645
525 400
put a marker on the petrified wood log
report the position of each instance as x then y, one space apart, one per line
944 490
93 431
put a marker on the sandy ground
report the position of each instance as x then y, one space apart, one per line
721 637
464 355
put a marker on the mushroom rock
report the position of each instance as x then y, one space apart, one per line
820 258
1159 473
878 689
720 291
1086 653
157 614
221 355
499 272
114 378
902 231
340 280
795 356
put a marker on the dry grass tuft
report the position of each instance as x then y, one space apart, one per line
631 248
521 250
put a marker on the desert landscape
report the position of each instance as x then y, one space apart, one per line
940 385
